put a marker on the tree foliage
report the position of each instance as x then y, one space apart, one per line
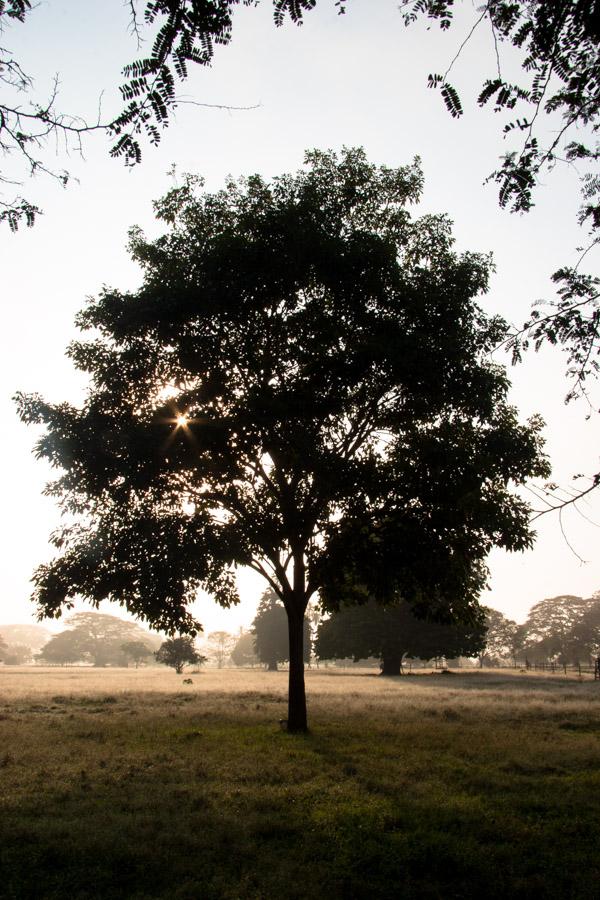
16 654
220 645
64 649
563 628
179 33
270 630
34 636
301 385
557 43
179 652
93 637
244 652
137 651
392 632
503 638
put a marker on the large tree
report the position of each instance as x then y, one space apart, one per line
585 634
138 651
244 652
503 638
94 637
562 628
64 649
392 632
302 378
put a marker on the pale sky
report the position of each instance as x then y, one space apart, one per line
354 80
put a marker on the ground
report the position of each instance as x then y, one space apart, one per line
134 784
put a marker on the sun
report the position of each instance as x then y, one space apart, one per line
181 420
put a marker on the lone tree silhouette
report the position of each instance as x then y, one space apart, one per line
179 652
302 379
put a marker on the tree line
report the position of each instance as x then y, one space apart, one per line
564 630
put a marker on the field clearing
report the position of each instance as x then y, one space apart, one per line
130 783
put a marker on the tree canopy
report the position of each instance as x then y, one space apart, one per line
244 652
503 637
563 628
94 637
302 385
64 649
392 632
179 652
138 651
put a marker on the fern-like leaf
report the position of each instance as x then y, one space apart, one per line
452 100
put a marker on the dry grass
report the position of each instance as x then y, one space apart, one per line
489 695
130 783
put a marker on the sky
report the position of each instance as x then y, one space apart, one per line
358 79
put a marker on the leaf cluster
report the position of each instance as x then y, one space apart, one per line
561 73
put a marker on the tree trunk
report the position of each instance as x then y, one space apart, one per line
272 665
391 664
297 721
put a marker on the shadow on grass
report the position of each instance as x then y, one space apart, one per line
226 811
478 680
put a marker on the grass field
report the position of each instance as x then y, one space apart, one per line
129 783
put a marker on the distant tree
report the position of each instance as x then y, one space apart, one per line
331 400
584 638
221 643
270 629
103 636
96 638
3 648
17 655
137 651
244 652
179 652
390 633
64 649
551 626
503 637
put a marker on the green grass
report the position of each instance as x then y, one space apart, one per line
405 788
